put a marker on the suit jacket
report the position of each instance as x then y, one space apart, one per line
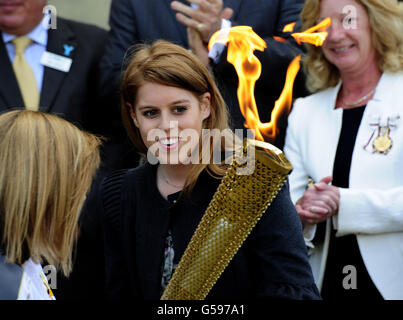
272 262
137 21
372 207
72 95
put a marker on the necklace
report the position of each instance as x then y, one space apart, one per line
359 100
167 181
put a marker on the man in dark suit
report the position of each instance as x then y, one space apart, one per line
62 65
136 21
68 91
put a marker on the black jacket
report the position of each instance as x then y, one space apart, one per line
272 262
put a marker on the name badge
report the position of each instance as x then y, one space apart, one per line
56 61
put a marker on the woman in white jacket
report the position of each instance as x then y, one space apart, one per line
348 138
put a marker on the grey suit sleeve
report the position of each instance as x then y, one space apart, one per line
10 279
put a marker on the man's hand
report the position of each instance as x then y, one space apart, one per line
206 19
319 202
197 46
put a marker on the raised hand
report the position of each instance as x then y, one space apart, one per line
197 46
206 19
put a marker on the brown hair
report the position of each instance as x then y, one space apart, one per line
386 20
46 169
171 65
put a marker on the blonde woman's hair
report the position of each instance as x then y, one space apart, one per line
46 169
386 21
168 64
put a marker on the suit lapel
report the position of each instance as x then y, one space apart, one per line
53 79
9 89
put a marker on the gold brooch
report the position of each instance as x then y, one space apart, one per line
383 142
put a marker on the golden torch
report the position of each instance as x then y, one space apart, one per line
241 199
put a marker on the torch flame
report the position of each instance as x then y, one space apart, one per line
279 39
312 37
242 41
289 27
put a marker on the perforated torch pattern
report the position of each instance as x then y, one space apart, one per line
236 207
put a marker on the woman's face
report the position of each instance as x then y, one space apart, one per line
349 43
170 120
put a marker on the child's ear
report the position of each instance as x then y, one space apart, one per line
132 114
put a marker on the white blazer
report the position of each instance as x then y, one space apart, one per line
372 207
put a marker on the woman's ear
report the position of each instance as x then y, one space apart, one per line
132 114
205 103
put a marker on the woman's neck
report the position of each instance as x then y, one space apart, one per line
361 81
357 86
172 178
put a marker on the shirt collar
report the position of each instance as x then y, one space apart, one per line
38 35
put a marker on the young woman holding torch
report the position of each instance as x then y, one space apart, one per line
151 212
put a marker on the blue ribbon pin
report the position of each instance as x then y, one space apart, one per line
68 49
